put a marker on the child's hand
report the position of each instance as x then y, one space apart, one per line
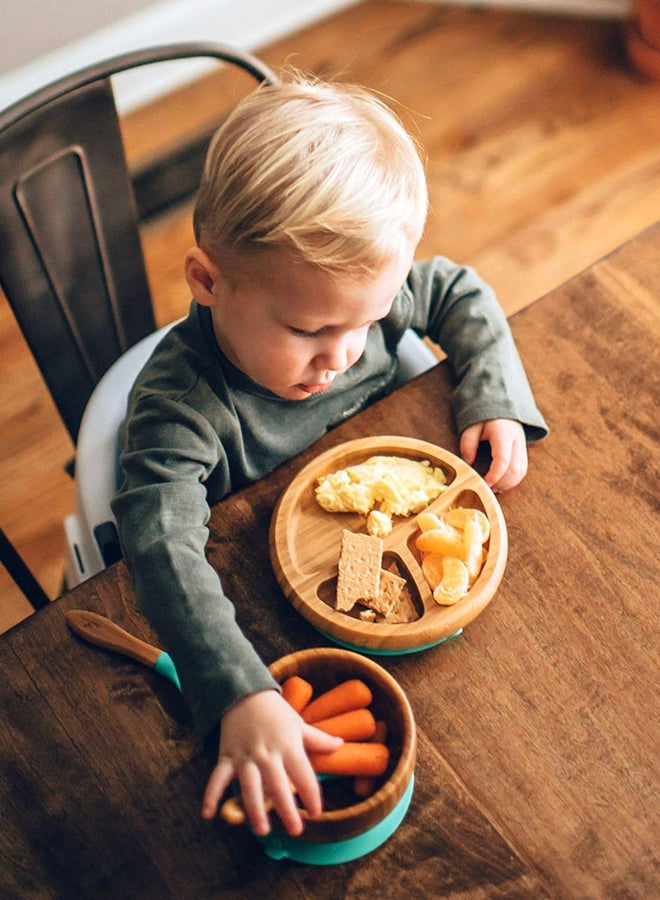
264 743
508 449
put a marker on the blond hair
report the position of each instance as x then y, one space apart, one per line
322 168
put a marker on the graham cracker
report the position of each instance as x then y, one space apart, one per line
359 570
389 592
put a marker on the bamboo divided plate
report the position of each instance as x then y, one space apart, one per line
305 543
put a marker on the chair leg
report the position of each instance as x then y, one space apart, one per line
23 577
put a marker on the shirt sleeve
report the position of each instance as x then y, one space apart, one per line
461 313
162 514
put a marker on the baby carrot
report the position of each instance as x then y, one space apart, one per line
352 758
365 785
351 694
297 692
232 811
354 725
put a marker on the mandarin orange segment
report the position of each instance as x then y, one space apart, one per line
459 516
454 584
427 521
452 550
446 540
472 548
432 569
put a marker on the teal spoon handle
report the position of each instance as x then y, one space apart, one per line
102 632
165 667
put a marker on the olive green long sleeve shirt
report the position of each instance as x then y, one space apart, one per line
197 429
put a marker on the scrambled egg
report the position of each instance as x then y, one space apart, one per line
381 487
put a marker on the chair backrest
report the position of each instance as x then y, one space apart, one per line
21 574
71 263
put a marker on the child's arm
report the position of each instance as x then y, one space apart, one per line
492 399
264 744
508 448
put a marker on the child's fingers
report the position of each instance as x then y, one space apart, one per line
508 449
469 442
300 770
217 784
319 741
252 797
509 465
306 784
281 795
495 477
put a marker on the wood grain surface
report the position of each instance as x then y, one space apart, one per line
536 771
543 154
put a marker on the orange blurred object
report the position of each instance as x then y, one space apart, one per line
643 37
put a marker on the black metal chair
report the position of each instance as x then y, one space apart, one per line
71 263
21 574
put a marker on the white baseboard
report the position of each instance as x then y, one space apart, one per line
245 24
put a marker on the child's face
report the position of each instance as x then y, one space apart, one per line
292 327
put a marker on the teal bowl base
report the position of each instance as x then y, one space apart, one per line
369 651
281 846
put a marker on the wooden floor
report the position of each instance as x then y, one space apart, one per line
543 155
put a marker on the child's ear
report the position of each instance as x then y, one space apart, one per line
203 277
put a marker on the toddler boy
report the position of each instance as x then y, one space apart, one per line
312 203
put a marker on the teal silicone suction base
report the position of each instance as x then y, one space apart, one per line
281 846
370 651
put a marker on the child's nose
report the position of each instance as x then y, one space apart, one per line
335 355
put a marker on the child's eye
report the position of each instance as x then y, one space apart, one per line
300 332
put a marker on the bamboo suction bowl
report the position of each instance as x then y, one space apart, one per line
305 543
348 827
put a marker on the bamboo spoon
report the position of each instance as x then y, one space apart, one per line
101 631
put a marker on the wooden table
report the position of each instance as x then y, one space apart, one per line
538 728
